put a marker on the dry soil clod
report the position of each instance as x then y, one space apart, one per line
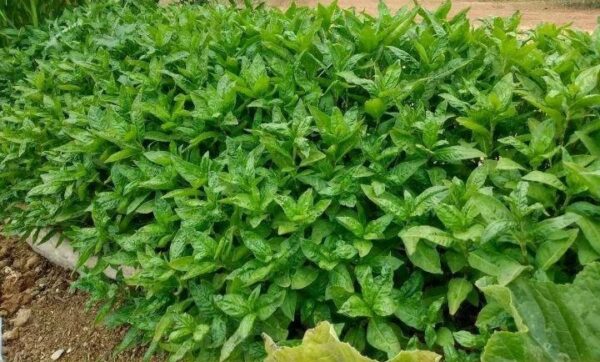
56 355
22 317
10 335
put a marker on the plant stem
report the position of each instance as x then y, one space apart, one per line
34 15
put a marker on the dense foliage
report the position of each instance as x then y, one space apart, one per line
415 181
18 13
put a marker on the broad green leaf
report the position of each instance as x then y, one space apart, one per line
588 179
457 153
319 343
555 321
591 230
381 336
234 305
416 356
162 158
121 155
427 258
545 178
587 80
387 202
353 79
303 277
435 235
491 208
550 251
352 224
450 216
241 333
496 264
257 245
377 227
195 175
400 173
507 164
426 200
355 307
458 290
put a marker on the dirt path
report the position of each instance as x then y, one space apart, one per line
534 12
41 315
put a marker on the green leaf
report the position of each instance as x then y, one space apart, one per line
458 290
550 251
554 321
269 302
387 202
319 343
351 78
511 346
194 174
496 264
457 153
412 235
450 216
591 230
257 245
416 356
352 224
491 208
121 155
381 336
377 227
507 164
545 178
159 157
242 332
303 277
587 80
589 180
469 340
426 200
234 305
400 173
426 258
375 107
355 307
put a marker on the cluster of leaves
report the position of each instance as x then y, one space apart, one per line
409 178
322 343
18 13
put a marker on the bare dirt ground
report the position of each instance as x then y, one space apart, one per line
41 315
533 12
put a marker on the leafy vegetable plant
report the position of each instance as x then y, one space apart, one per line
419 183
18 13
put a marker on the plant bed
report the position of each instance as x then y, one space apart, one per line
426 187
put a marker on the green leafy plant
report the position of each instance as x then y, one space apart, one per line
322 343
413 180
17 13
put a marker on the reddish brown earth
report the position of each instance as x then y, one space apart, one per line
41 314
533 12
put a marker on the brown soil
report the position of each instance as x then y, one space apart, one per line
533 12
36 294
